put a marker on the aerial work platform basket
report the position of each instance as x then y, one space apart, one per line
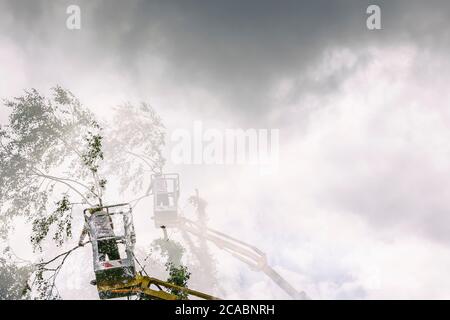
112 237
166 191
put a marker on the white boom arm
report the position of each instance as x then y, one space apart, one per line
252 256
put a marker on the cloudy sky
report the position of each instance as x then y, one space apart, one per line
359 206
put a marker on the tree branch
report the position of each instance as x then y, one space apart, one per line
67 184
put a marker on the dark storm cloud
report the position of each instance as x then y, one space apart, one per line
237 50
240 49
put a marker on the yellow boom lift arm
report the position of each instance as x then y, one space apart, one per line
142 286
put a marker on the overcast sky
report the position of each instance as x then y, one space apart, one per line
359 206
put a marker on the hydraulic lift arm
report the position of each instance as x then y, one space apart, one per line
166 215
252 256
142 285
